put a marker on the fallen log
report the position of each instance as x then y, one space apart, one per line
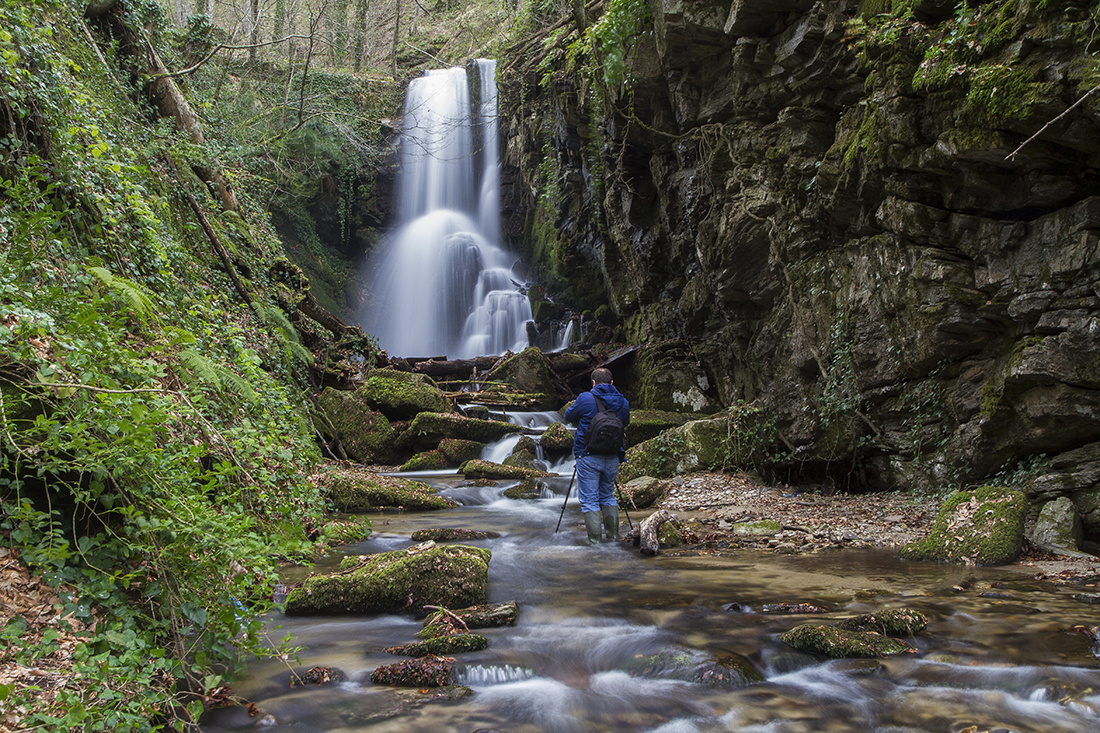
649 529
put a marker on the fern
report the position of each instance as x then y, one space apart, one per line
285 331
130 291
197 368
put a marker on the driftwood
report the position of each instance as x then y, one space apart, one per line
649 528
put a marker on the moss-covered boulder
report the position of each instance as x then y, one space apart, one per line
478 468
429 429
891 622
402 395
525 490
524 454
458 451
423 672
366 435
452 534
758 527
442 646
841 644
648 424
441 623
980 527
1058 528
556 439
668 536
317 676
344 532
642 492
527 372
429 460
355 489
389 582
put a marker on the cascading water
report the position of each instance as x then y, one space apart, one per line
441 284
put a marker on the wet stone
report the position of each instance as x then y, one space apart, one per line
318 676
423 672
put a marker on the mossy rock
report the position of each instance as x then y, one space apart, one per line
458 451
557 439
318 676
486 616
451 534
431 460
423 672
648 424
402 395
698 445
980 527
524 490
892 622
668 536
355 489
405 580
842 644
442 646
429 429
478 468
524 454
344 532
761 527
642 492
366 434
526 372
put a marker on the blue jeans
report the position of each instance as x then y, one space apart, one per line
596 481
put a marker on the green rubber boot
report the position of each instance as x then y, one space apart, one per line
610 522
592 524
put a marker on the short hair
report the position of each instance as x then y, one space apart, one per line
601 376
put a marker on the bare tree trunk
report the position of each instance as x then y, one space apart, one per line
340 35
650 527
254 31
279 18
361 7
396 32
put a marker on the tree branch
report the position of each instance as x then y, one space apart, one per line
223 47
1086 95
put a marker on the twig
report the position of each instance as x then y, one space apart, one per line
1086 95
449 613
433 58
222 47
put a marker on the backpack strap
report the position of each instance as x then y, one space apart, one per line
599 404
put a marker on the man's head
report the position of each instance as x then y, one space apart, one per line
601 376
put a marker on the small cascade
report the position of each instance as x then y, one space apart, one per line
441 284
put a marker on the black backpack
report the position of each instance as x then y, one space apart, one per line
604 436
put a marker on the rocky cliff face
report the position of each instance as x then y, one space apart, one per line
821 197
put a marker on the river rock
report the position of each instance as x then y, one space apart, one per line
839 643
891 622
431 460
527 372
318 676
458 451
441 623
442 646
344 532
450 534
524 454
423 672
1058 528
981 527
365 434
429 429
389 582
665 378
728 670
402 395
525 490
355 489
642 492
558 439
478 468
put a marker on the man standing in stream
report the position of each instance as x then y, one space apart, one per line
601 416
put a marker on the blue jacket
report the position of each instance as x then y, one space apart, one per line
584 409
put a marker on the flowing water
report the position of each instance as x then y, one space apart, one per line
441 284
1000 652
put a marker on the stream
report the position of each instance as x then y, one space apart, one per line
999 654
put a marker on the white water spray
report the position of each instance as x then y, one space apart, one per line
441 284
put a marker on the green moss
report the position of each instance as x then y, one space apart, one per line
344 532
558 439
981 527
842 644
759 527
525 490
429 429
442 646
441 623
478 468
355 489
451 534
402 395
458 451
892 622
446 575
432 460
367 436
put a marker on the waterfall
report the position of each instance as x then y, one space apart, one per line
441 284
